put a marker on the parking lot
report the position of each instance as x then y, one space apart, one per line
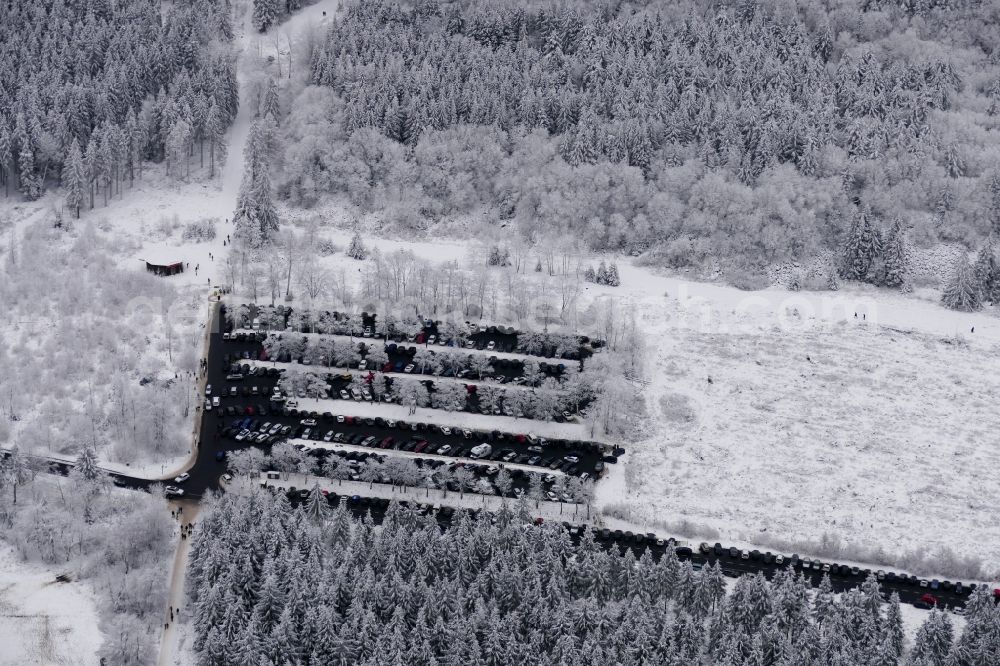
239 413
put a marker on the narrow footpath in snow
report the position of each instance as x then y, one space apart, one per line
177 611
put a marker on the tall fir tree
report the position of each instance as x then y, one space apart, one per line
963 292
994 207
863 247
265 14
30 183
933 641
602 273
73 179
270 106
267 215
987 272
5 157
317 507
613 280
215 132
357 249
895 262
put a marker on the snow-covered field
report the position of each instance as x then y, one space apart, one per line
42 622
781 419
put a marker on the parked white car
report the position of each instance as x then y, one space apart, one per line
481 450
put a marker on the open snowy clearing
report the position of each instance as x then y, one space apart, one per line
42 622
781 430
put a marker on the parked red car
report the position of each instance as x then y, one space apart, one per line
387 442
929 599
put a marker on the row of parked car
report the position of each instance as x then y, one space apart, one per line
265 433
806 565
832 568
568 464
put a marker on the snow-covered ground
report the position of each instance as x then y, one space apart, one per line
781 419
42 622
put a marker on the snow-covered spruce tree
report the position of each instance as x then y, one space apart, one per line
86 464
894 257
255 216
987 272
30 182
317 507
602 274
357 249
862 248
994 206
265 14
73 179
613 280
894 634
589 274
215 133
5 157
962 292
933 641
270 107
266 213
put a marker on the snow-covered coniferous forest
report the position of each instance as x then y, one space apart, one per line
481 332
